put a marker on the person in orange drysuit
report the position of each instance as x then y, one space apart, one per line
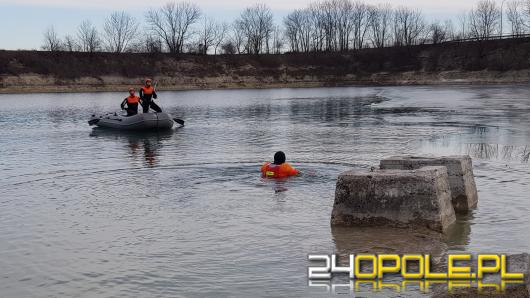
279 168
132 103
147 94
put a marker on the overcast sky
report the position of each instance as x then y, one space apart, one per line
26 20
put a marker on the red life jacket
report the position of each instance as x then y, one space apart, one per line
148 90
270 170
133 100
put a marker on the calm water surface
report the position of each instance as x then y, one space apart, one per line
92 213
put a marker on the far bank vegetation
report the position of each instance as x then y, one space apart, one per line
322 26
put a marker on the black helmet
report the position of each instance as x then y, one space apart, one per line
279 158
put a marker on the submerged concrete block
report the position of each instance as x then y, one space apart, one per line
460 171
394 198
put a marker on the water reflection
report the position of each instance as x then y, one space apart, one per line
383 240
380 240
486 143
140 144
485 151
332 109
499 152
458 236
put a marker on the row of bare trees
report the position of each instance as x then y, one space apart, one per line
339 25
487 20
325 25
119 33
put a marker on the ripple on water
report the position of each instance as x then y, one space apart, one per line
95 213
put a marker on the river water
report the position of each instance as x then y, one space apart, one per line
91 213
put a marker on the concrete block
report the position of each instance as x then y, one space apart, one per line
395 198
460 171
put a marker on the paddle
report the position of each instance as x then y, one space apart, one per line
179 121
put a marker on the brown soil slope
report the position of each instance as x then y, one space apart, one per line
496 61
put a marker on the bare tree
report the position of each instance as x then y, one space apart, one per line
345 19
409 26
207 35
463 26
361 24
120 31
221 32
153 45
238 36
516 17
379 19
88 37
319 24
325 12
52 42
69 44
450 30
257 26
440 32
325 25
484 19
339 25
299 30
292 23
277 40
228 48
172 23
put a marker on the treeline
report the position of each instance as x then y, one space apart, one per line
328 25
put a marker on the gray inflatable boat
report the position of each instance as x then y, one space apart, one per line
146 121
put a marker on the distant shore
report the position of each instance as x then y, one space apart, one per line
42 84
485 62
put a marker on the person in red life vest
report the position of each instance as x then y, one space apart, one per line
147 94
279 168
131 102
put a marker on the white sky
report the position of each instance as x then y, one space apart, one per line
205 4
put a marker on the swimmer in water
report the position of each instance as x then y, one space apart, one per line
279 168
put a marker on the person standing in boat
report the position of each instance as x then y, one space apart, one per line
131 102
147 94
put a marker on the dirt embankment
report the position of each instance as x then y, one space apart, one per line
487 62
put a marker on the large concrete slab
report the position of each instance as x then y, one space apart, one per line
396 198
460 171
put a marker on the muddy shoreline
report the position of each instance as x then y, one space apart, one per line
36 83
485 62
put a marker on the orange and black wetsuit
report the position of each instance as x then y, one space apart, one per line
132 105
270 170
147 94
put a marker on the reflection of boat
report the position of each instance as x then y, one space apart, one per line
132 136
144 121
147 142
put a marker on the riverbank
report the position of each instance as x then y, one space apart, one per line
34 83
486 62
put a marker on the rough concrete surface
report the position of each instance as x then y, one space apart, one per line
395 198
460 171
